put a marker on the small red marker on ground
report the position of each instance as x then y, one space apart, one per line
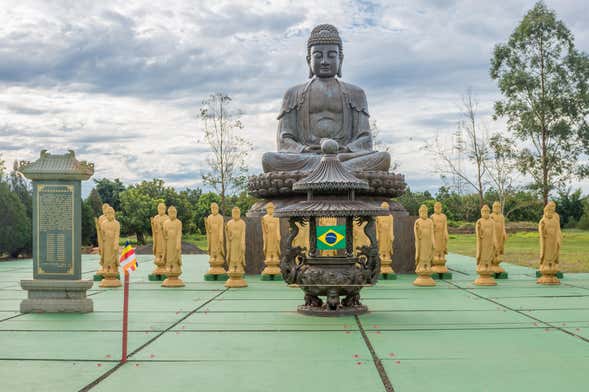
99 364
356 356
151 356
108 355
397 362
391 354
348 332
136 365
358 363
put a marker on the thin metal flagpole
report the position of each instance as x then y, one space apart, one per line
125 315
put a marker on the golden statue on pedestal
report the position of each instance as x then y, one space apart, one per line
98 222
235 231
360 238
215 225
500 237
157 233
110 232
172 231
271 239
486 248
385 235
424 248
302 238
550 239
440 239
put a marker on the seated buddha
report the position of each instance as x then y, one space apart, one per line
324 108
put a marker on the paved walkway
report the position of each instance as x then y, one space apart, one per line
453 337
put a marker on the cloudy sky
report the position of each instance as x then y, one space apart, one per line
121 83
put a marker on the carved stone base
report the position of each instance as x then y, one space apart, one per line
173 281
497 269
485 280
236 279
439 269
110 282
271 270
548 280
324 311
159 271
56 296
424 281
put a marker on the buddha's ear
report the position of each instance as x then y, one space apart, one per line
309 65
339 68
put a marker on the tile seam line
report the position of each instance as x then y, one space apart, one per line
523 314
384 377
119 365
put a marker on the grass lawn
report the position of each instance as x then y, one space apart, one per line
524 249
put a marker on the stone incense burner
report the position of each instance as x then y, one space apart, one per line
329 268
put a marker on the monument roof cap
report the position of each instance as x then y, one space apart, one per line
57 167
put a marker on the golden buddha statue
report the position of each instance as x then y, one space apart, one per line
172 233
385 235
157 233
110 232
486 248
424 248
500 237
215 226
98 222
440 239
550 240
235 231
271 240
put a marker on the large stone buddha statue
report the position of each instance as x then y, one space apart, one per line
324 108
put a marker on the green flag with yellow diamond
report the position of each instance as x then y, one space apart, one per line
331 237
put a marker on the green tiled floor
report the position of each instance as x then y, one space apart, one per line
516 336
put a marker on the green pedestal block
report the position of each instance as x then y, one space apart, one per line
219 277
266 277
98 278
442 276
501 275
156 278
388 276
559 274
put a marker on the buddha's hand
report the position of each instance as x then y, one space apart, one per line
314 148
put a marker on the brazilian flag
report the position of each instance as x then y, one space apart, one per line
331 237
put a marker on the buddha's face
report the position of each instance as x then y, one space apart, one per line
324 61
496 208
105 207
485 213
172 213
110 214
423 212
235 213
270 209
438 208
161 209
214 209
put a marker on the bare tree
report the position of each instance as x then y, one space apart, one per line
379 144
473 145
501 166
221 130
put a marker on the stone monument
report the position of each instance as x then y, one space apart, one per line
172 233
424 248
57 222
271 238
236 250
110 233
550 239
385 237
215 228
157 233
500 238
486 248
440 242
325 107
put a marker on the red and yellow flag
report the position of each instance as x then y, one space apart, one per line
128 259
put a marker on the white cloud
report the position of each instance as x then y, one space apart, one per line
121 82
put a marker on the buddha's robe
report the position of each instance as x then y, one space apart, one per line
424 244
550 237
173 248
486 244
317 110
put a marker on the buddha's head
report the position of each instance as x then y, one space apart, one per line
214 208
235 213
384 204
437 207
497 207
161 209
485 212
325 52
423 211
110 213
172 212
270 209
549 210
105 207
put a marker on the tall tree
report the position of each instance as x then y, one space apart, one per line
21 187
221 128
95 202
501 166
544 82
109 191
15 225
472 145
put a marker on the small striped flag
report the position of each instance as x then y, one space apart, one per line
128 259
